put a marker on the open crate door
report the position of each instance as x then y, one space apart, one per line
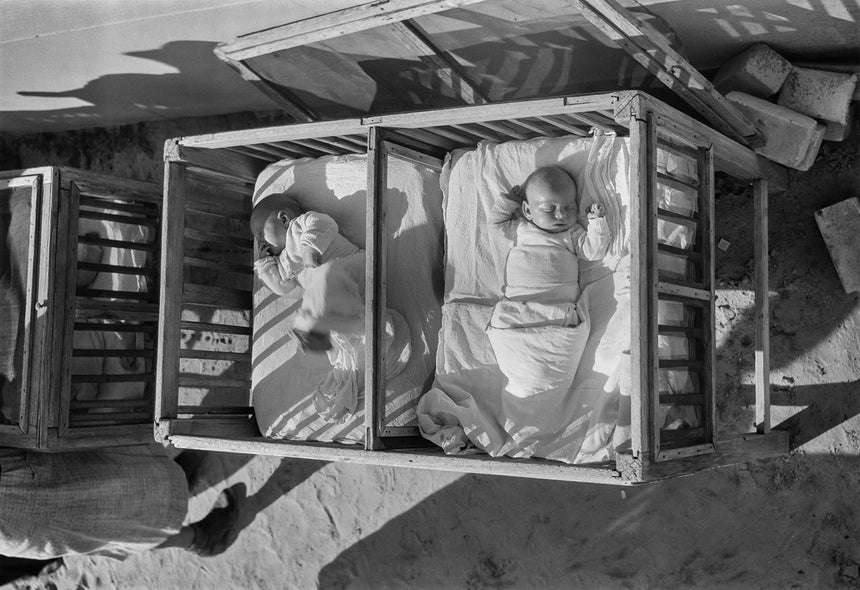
391 423
25 227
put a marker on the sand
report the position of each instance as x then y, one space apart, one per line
786 522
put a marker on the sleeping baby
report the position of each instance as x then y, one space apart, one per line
538 331
305 249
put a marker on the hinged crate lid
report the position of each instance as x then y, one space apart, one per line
406 55
25 230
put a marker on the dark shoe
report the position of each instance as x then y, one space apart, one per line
217 531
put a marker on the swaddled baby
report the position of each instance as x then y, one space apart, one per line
305 249
536 330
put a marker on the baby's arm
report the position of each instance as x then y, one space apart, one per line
593 243
318 231
269 271
505 208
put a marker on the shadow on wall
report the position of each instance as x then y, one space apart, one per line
202 85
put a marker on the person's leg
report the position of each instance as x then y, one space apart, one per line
215 532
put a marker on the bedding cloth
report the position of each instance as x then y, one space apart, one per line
470 406
284 378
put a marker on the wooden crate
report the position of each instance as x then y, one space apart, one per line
209 182
61 324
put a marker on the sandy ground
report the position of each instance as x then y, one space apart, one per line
786 522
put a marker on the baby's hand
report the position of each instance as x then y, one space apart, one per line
517 194
263 250
595 211
266 265
311 258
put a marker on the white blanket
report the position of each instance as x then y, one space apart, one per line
468 405
283 377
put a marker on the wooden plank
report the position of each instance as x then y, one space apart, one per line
209 296
678 217
331 25
116 203
108 243
110 403
654 53
433 459
667 249
640 350
215 355
683 452
234 167
376 288
685 186
105 186
114 218
270 135
691 332
667 288
224 226
729 451
762 308
114 352
680 364
66 336
414 156
116 269
649 146
682 435
447 68
563 125
212 381
494 111
705 166
131 311
102 378
170 292
100 436
681 399
219 328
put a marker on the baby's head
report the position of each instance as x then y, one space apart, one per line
550 199
270 218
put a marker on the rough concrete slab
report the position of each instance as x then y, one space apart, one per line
835 67
819 94
839 131
788 135
814 146
759 71
840 227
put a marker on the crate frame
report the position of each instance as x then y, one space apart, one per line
239 156
44 419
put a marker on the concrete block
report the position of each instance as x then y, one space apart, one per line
819 94
759 71
845 68
814 146
839 131
839 225
787 135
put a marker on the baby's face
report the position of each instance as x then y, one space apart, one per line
549 208
272 231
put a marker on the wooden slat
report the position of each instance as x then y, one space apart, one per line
673 70
690 332
692 219
67 254
682 435
110 403
200 411
126 245
217 225
557 122
128 310
114 352
203 236
682 399
686 186
652 284
762 309
219 328
102 378
667 249
682 151
82 420
131 220
105 186
640 350
445 68
215 355
591 122
502 129
705 165
113 327
170 292
216 265
114 204
433 459
680 364
669 288
210 296
246 151
376 285
234 167
212 381
116 269
209 249
329 26
138 295
414 156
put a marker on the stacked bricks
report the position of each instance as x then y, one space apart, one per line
838 225
812 105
